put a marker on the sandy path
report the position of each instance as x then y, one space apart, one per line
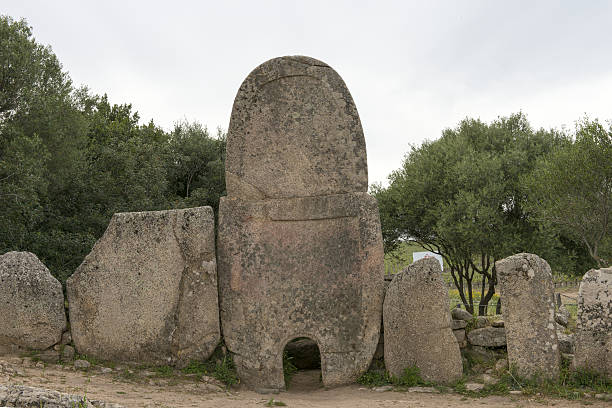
179 392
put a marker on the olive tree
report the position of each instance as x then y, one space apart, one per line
460 197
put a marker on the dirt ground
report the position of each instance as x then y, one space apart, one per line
145 389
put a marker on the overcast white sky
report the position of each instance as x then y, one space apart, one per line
413 68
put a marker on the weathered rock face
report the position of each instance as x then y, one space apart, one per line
294 132
416 335
299 242
148 290
461 314
32 313
566 342
594 326
488 337
22 396
562 316
527 291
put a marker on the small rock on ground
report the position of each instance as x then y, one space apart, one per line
81 364
501 364
474 386
423 389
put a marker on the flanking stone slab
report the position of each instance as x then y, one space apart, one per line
147 292
526 287
417 320
32 312
593 339
299 241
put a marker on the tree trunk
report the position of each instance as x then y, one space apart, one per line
485 298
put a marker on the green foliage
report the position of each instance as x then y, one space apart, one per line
411 377
220 366
195 367
375 378
196 167
571 384
289 369
164 371
461 196
274 403
91 360
225 371
69 159
571 189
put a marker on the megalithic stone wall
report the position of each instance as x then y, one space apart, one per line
417 320
526 288
147 292
594 325
299 241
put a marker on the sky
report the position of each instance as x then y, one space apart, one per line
414 68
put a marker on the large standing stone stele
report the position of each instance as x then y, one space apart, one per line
31 303
147 292
417 320
527 291
299 243
594 325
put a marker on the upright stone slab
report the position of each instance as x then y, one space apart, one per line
299 242
526 287
594 326
147 292
417 320
31 304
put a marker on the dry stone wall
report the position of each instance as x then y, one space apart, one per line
147 292
299 242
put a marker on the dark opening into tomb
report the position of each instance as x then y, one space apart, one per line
302 364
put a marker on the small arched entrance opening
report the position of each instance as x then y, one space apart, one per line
302 365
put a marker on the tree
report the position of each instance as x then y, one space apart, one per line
69 159
197 165
460 197
35 124
571 189
28 70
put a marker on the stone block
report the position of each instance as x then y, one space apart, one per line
147 292
299 242
416 335
32 315
593 342
487 337
526 288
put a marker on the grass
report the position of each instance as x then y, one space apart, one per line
219 366
289 369
571 384
164 371
274 403
93 361
411 377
